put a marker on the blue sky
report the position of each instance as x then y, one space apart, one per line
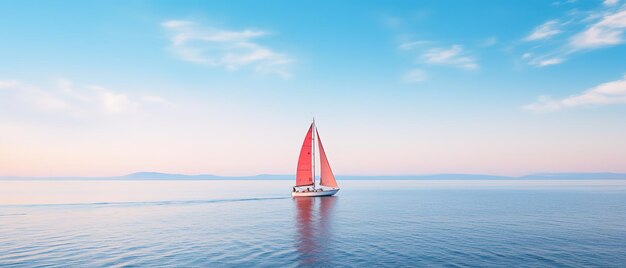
229 87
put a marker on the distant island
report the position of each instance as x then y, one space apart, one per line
168 176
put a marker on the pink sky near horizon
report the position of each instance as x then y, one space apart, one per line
271 147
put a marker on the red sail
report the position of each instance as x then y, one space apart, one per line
326 177
304 174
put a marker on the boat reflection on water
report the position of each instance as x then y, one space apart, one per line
314 226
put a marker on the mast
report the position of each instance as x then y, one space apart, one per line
313 151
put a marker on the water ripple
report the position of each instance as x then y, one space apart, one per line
144 203
408 228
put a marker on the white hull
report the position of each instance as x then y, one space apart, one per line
314 194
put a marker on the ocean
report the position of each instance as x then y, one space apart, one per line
374 223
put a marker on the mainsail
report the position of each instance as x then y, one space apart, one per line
304 174
326 177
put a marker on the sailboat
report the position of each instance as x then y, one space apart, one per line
305 174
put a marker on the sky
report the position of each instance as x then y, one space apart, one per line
104 88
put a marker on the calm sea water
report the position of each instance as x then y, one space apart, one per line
257 223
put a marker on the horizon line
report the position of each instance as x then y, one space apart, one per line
148 174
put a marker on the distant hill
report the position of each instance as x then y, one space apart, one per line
168 176
575 176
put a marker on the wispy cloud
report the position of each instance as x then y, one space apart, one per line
547 62
544 31
608 93
577 31
543 60
610 2
452 56
230 49
425 54
65 98
414 76
489 41
563 2
413 44
113 102
608 31
8 84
